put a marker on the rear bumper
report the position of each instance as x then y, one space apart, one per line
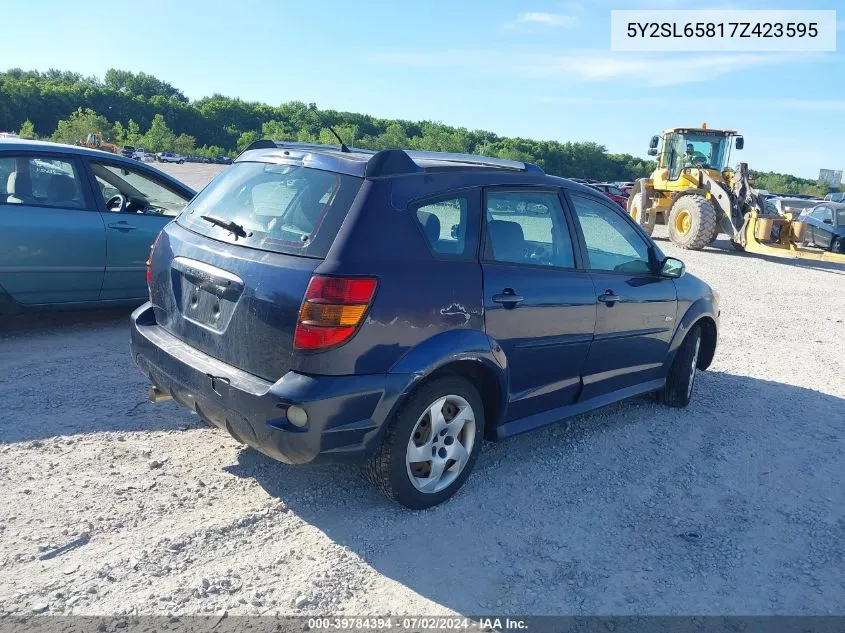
346 414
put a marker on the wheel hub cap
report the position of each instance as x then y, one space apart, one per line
683 222
441 443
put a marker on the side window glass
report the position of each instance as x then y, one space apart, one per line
612 243
444 224
44 182
142 193
527 227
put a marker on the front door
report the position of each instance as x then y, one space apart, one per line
539 307
137 206
52 244
637 308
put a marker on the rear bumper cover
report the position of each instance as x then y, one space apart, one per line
346 414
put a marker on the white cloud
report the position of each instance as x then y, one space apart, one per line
544 19
814 105
595 66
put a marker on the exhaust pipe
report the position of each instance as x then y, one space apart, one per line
157 395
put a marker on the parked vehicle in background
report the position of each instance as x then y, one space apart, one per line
824 227
223 160
280 309
611 191
7 135
170 157
782 206
128 151
76 225
835 197
139 153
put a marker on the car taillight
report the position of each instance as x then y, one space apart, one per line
332 310
150 260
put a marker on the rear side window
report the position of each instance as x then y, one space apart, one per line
281 208
445 224
45 182
527 227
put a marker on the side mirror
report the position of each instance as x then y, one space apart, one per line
654 141
827 221
672 267
652 151
740 142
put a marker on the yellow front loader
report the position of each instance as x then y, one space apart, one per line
697 196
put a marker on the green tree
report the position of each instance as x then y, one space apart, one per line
119 133
185 145
133 134
159 138
246 138
80 124
27 130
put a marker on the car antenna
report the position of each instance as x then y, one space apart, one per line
343 147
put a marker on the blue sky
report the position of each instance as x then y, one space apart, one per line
536 68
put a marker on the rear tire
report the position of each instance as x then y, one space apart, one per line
692 222
836 245
679 383
453 449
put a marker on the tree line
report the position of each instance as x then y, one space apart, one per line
143 111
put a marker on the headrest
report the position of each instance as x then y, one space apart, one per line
61 188
507 239
19 184
430 224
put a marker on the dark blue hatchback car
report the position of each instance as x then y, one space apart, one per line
398 308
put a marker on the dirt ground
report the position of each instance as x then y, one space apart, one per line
735 505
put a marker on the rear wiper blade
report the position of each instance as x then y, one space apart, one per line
230 225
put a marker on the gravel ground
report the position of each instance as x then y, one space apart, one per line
113 505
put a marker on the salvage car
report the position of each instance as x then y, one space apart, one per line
824 227
613 192
76 225
398 308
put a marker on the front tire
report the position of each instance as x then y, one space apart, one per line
637 201
678 389
431 444
836 245
692 222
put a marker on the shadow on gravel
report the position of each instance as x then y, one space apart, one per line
595 515
70 373
58 320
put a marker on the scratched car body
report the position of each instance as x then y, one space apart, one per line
398 308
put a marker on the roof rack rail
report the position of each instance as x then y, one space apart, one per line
389 162
269 144
474 159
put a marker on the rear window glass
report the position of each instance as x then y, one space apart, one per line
282 208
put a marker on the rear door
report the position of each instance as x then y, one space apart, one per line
636 307
822 226
52 240
539 306
132 225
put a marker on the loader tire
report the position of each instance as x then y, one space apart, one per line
716 231
637 200
692 222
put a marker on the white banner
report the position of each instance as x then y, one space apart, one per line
723 30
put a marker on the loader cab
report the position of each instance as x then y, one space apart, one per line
695 148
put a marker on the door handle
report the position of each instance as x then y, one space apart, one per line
122 226
508 298
609 297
